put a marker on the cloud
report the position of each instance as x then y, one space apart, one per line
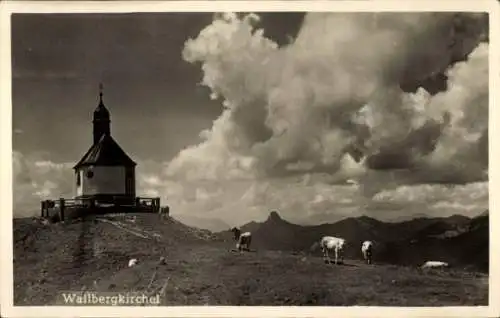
461 148
309 198
312 199
439 200
299 105
434 193
36 179
360 83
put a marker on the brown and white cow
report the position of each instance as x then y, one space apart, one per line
243 240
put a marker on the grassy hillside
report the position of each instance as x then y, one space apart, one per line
201 269
71 255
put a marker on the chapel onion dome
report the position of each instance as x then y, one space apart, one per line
101 112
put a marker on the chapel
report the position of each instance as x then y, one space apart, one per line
105 174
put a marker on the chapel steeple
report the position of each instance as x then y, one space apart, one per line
101 119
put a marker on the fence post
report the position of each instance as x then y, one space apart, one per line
61 208
157 205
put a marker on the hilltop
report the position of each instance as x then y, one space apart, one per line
69 255
201 268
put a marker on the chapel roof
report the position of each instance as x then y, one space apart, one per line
106 152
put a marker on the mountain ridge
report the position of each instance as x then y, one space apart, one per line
407 239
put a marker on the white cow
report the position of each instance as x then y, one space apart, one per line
435 264
336 244
132 262
367 249
243 240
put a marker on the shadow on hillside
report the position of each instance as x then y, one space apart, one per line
81 251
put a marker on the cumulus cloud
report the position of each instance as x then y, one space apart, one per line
336 88
353 95
36 179
460 148
312 199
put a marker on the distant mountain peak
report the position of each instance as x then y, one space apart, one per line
458 216
274 216
362 218
366 218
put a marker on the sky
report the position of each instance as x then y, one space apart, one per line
231 115
157 108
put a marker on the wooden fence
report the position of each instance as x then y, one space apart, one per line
87 206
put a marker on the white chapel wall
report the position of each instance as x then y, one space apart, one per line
106 180
78 185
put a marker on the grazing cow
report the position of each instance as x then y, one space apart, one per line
435 264
162 261
243 240
367 249
132 262
336 244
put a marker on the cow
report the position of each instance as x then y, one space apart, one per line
435 264
367 250
243 240
336 244
132 262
